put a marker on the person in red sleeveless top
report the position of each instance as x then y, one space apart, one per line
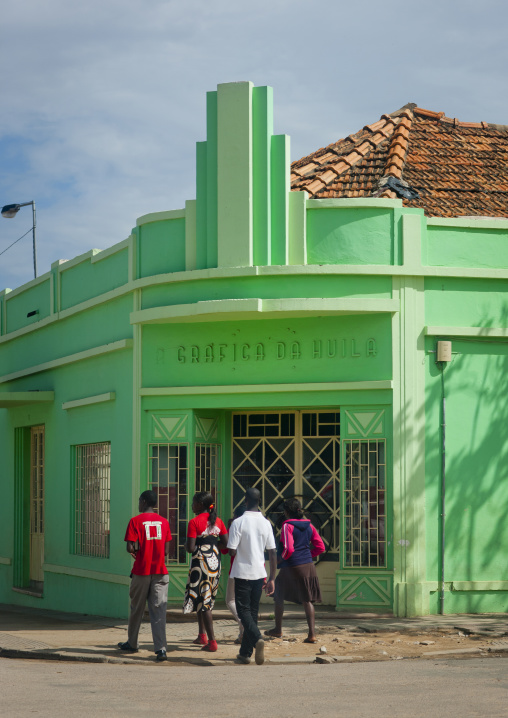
206 538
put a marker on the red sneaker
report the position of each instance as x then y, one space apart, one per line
211 646
201 640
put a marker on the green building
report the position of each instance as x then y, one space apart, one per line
279 331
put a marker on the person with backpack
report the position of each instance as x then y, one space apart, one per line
297 580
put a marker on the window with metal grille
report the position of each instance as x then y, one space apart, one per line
365 503
207 463
168 475
92 499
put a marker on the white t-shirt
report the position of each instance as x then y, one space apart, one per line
250 535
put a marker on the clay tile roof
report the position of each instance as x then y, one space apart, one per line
457 168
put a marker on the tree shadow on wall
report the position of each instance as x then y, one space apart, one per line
476 529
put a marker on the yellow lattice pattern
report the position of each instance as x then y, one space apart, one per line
365 503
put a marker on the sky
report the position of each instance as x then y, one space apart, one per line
104 100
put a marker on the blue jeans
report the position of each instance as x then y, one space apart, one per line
247 596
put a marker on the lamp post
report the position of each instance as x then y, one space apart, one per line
11 210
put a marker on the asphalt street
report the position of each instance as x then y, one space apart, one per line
467 687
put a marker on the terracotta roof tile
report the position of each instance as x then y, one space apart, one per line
458 168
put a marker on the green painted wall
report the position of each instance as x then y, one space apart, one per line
335 236
161 247
35 299
466 302
86 279
358 291
264 399
98 326
267 351
276 287
467 247
65 429
476 532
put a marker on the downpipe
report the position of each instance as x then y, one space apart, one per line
443 491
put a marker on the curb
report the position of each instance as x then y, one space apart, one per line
55 656
98 658
203 662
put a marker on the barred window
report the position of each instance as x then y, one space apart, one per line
168 473
365 503
92 499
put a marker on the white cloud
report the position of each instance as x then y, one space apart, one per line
107 97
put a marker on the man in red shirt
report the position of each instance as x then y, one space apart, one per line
148 536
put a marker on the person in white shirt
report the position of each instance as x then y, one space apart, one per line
249 537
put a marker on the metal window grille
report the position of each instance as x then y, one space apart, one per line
207 468
37 480
365 503
168 477
92 491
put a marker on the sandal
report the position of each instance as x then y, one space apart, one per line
310 640
211 646
201 640
273 633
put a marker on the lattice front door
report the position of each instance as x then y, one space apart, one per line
264 458
290 454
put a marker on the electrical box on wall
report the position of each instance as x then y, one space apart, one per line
444 351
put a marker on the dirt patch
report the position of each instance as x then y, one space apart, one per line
375 646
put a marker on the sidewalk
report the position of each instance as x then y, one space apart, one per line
51 635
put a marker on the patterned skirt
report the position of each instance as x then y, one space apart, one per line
203 581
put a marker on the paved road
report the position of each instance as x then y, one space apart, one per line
414 688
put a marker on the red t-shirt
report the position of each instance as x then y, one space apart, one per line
152 532
199 525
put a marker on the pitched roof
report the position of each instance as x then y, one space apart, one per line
457 168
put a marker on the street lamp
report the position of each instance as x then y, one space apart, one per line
11 210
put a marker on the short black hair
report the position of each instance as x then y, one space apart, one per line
149 497
252 497
239 511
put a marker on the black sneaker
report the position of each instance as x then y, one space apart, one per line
127 647
161 655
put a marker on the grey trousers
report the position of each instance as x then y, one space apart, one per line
153 589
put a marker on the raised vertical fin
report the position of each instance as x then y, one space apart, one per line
262 110
211 179
201 206
245 213
280 198
234 174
